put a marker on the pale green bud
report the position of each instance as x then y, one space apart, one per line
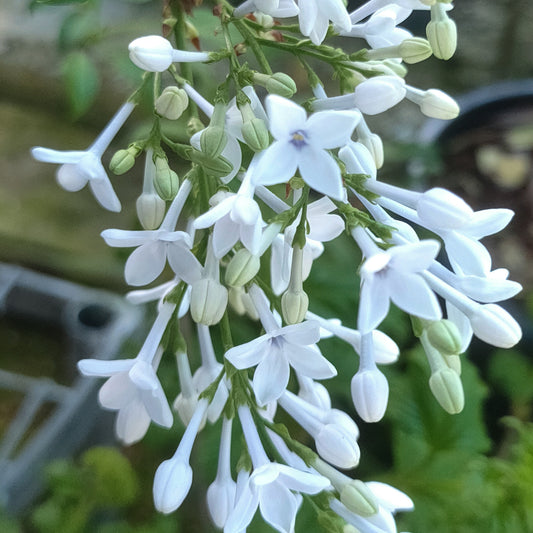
242 268
442 36
294 305
375 145
166 181
172 102
414 50
359 499
123 160
213 140
150 210
397 68
438 104
282 84
255 134
446 386
445 337
263 19
209 299
213 166
348 528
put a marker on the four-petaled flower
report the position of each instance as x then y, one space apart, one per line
302 143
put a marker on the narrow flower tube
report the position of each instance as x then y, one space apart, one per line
173 478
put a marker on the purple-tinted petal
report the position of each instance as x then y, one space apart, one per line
331 129
225 235
183 262
248 354
285 117
305 333
277 165
309 362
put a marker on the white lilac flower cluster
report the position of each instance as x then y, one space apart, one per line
328 158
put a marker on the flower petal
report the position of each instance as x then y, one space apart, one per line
248 354
299 481
145 263
307 16
117 392
47 155
278 506
285 117
412 294
104 193
225 235
413 257
278 164
183 262
120 238
309 362
373 304
103 368
331 129
271 377
132 422
304 333
320 171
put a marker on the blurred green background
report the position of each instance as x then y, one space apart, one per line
64 70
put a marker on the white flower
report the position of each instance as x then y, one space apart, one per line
394 275
154 247
380 30
378 94
323 226
301 143
155 54
133 387
277 350
270 487
235 217
315 15
81 167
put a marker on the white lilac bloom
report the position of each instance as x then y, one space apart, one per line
302 143
277 350
154 53
274 8
173 478
133 387
155 247
395 275
79 167
323 226
271 487
315 15
381 29
235 217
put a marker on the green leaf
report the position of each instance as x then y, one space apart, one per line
81 82
78 28
512 373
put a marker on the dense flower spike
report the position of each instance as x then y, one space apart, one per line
222 222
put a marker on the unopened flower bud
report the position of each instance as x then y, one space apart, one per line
213 140
172 482
414 49
445 337
375 146
446 386
209 299
336 446
150 210
221 500
359 499
166 181
242 303
494 325
185 406
376 95
437 104
255 134
242 268
172 102
122 161
282 84
348 528
370 394
217 167
294 305
441 32
152 53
